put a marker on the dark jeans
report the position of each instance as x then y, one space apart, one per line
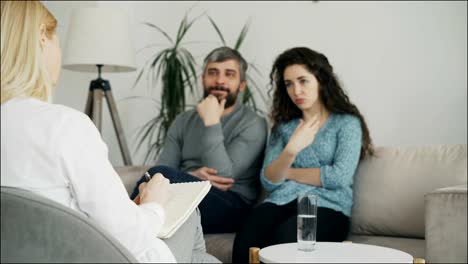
270 224
221 212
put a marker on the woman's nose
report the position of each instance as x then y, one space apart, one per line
297 89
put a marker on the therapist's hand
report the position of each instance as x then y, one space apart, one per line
156 190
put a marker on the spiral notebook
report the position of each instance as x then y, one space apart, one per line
184 198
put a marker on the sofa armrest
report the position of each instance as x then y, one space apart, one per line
130 175
445 228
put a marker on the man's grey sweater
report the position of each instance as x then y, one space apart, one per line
235 147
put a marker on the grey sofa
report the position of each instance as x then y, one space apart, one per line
36 229
412 198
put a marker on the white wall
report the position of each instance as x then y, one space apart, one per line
404 64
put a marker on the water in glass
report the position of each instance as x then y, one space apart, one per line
306 222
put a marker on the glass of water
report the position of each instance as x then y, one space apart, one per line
306 221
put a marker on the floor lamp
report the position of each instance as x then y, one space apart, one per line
99 40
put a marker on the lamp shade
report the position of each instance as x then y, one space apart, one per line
99 36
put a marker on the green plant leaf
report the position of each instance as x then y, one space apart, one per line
185 25
242 35
191 63
142 71
255 86
149 46
160 30
189 70
255 68
220 35
138 77
181 28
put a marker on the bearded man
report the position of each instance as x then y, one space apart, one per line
221 141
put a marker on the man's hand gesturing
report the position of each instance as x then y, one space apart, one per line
209 174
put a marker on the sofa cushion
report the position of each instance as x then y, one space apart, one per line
412 246
389 188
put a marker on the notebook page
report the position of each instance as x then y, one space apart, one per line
184 198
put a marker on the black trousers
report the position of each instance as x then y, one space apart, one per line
220 211
270 224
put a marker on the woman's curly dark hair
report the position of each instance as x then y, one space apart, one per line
331 93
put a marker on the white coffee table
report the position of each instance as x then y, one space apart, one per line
333 252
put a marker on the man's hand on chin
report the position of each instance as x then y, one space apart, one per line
210 110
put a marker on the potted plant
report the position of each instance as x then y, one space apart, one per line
174 68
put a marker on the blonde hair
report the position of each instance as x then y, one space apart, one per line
23 72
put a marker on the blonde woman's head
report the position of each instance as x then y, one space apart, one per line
30 51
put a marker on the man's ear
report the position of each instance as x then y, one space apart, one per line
242 85
42 34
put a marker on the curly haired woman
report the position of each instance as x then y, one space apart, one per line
318 137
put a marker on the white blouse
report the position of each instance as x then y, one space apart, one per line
57 152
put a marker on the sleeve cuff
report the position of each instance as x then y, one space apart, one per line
155 209
323 177
269 185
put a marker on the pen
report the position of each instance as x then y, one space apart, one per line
148 176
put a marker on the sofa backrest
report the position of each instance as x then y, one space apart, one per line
37 229
389 188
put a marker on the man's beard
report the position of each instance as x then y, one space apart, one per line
230 97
